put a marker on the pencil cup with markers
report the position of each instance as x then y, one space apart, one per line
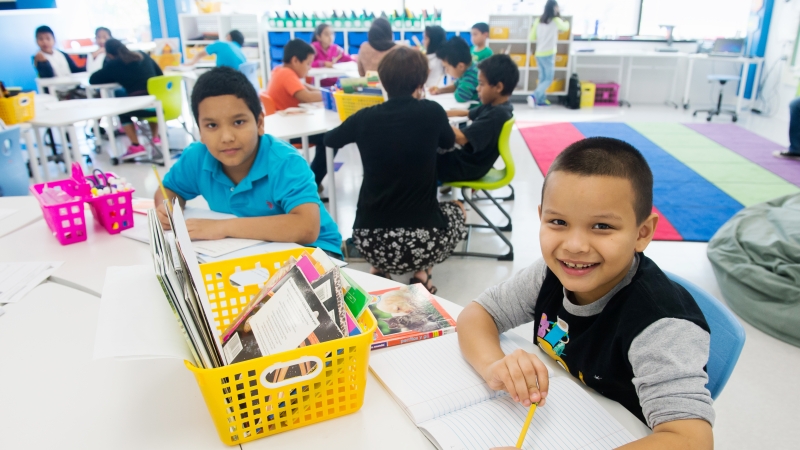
253 399
62 203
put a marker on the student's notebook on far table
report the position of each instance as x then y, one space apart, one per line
455 409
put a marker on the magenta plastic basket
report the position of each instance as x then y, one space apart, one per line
67 220
606 94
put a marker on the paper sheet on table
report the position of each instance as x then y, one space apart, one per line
349 66
17 279
221 247
135 320
4 212
262 247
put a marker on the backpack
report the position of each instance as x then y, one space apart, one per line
574 92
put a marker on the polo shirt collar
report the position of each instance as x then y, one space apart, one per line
258 170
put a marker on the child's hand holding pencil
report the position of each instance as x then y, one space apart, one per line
522 375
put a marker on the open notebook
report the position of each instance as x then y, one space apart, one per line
455 409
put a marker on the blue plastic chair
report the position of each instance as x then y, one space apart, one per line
250 70
727 335
13 171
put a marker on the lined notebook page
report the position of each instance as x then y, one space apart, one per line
571 419
431 378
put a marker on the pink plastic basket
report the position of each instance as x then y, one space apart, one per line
66 220
606 94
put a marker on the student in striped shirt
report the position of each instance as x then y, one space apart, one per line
457 61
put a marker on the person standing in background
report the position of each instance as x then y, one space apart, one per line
545 33
479 34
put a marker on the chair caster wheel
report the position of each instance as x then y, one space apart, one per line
114 161
735 118
694 114
708 119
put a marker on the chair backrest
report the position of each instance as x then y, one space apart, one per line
504 145
727 335
250 70
267 103
167 89
13 173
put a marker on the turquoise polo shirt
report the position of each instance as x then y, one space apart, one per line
228 53
279 181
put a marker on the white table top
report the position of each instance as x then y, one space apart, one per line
448 101
184 71
85 262
28 211
65 113
298 125
655 54
69 80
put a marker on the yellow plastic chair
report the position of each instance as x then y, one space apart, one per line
495 179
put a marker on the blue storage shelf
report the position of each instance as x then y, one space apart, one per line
279 38
338 38
356 38
275 53
307 36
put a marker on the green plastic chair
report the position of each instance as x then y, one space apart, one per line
495 179
168 89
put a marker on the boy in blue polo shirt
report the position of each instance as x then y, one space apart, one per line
229 52
242 171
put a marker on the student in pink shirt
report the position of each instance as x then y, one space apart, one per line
327 53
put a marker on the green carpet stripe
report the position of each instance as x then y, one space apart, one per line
746 182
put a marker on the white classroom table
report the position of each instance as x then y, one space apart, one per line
65 114
27 212
156 404
338 70
625 81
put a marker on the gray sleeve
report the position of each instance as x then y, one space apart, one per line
511 302
668 359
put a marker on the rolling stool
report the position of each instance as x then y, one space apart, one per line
722 79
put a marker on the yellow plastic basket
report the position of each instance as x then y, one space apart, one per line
18 108
349 104
243 404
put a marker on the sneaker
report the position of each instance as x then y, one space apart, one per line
134 151
350 252
532 101
444 190
788 155
156 140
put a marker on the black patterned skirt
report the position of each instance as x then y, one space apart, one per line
403 250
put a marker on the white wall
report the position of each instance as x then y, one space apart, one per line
781 85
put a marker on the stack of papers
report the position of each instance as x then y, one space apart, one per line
17 279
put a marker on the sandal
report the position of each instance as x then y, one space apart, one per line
427 283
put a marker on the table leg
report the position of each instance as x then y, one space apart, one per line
30 147
317 82
65 153
688 87
306 151
162 132
42 154
742 88
674 85
754 92
331 182
76 149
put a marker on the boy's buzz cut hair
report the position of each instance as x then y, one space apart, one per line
237 36
44 29
500 69
483 27
455 51
224 81
603 156
297 48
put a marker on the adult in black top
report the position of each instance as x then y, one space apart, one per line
400 226
131 70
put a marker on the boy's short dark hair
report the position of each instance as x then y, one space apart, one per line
483 27
44 29
297 48
603 156
402 70
237 36
455 51
224 81
500 69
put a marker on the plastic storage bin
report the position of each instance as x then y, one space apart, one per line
561 60
243 404
18 108
519 58
498 32
559 84
606 94
587 94
349 104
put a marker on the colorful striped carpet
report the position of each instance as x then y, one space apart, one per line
703 173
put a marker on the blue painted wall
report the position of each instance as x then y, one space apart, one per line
19 45
28 4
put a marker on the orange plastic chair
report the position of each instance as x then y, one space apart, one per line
79 60
267 103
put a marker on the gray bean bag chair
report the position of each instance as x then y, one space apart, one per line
756 258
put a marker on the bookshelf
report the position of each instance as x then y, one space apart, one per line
199 30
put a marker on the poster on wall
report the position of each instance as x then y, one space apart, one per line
6 5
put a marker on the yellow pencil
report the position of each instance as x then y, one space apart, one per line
525 426
163 190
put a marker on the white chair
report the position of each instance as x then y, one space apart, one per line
722 79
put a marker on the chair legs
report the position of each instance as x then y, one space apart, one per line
507 198
508 256
718 110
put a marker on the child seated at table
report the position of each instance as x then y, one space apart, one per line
131 70
229 52
51 62
240 170
601 309
328 52
457 61
399 225
497 77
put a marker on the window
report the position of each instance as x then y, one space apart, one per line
126 19
706 19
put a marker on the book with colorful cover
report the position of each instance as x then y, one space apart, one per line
408 314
